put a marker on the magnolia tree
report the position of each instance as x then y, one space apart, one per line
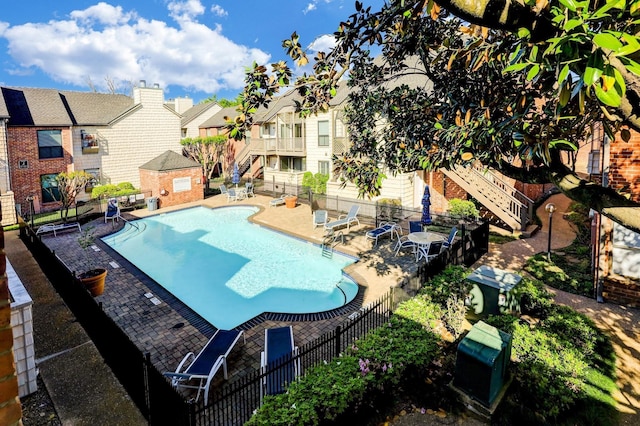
68 186
515 87
205 150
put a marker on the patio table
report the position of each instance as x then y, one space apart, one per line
422 240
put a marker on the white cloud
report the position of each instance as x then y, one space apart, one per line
323 43
185 10
309 8
102 13
218 10
104 41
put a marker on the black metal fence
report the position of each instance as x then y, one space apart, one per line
235 403
158 401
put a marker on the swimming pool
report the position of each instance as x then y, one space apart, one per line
229 270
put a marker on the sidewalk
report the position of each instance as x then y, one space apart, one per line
82 388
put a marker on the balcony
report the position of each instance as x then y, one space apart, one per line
90 144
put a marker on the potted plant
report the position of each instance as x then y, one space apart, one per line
93 279
290 201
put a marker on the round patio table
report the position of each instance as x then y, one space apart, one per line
422 241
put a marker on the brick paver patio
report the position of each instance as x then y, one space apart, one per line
169 330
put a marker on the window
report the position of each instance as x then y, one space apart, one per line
93 182
298 130
50 143
323 167
339 129
292 164
323 133
49 185
268 130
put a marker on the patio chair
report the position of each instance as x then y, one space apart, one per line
223 189
429 252
232 195
447 243
384 228
415 226
279 362
278 201
113 211
320 218
249 190
344 220
206 364
58 227
403 242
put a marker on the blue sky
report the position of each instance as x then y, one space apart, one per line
194 48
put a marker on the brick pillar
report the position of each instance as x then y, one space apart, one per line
10 408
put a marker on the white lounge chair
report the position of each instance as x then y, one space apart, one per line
113 211
384 228
345 220
249 190
279 361
320 218
278 201
71 226
205 365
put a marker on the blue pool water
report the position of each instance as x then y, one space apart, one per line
229 270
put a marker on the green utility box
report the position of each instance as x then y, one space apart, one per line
482 361
493 291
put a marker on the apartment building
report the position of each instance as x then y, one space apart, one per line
48 131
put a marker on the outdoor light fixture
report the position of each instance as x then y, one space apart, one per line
550 208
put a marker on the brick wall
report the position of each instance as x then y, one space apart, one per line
155 182
10 408
23 145
624 167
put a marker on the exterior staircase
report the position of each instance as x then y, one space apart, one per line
503 200
244 159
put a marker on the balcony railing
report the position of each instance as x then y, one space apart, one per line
90 144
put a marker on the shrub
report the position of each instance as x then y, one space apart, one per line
317 183
560 273
377 361
463 208
110 190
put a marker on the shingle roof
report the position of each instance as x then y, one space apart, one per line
218 119
50 107
195 111
169 160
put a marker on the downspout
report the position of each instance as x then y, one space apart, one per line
597 276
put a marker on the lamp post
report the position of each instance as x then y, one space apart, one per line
550 208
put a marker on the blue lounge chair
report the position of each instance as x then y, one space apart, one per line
205 365
320 218
279 361
384 228
344 220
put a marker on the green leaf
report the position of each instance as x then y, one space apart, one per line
594 69
563 73
631 66
572 23
438 126
533 72
607 41
610 97
561 142
515 67
570 4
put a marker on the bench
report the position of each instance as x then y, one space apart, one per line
58 227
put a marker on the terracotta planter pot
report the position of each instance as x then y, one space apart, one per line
93 280
290 202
